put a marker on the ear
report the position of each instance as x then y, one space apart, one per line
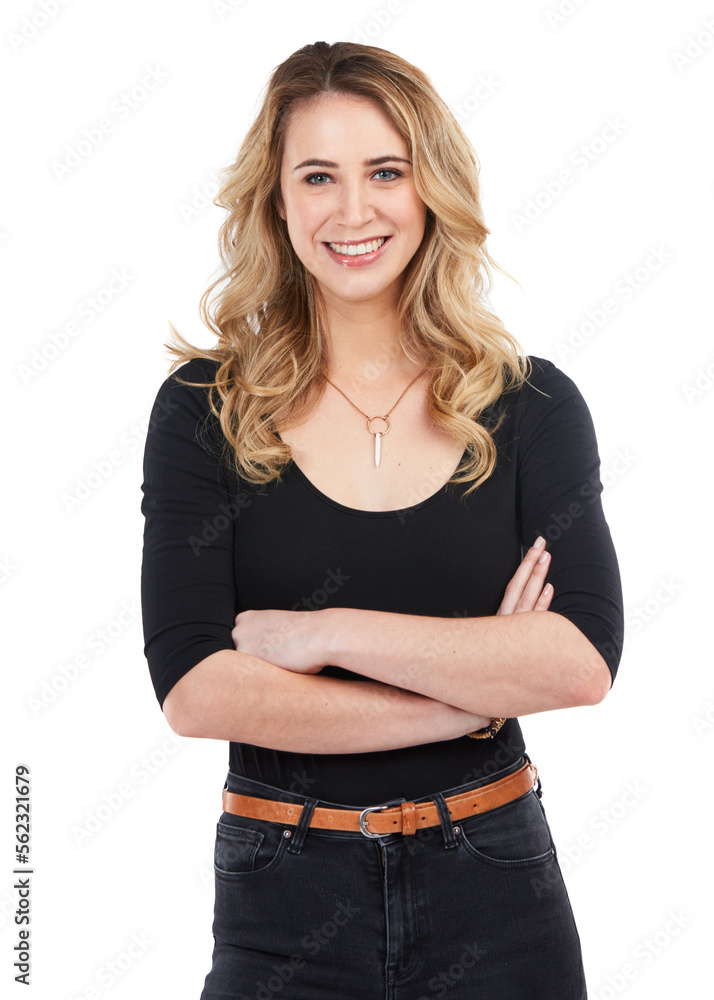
278 201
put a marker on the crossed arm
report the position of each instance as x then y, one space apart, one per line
522 660
268 691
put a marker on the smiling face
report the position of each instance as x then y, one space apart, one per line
346 180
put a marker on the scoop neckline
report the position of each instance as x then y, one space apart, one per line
357 511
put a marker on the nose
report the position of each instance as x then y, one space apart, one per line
355 205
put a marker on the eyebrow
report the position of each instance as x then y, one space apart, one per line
366 163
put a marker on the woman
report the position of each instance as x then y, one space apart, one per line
338 497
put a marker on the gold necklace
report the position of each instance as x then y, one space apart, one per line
378 435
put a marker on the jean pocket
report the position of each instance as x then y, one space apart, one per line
515 835
246 847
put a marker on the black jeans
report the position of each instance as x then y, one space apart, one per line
466 910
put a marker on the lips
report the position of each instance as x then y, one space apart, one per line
354 248
355 259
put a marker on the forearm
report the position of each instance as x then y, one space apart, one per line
239 697
501 665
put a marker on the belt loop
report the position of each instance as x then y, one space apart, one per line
538 788
296 842
447 826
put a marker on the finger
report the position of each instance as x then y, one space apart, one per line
543 602
519 580
534 586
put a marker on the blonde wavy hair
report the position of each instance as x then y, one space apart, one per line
269 315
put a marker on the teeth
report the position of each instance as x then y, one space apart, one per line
355 250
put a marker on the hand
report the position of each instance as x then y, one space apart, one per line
288 639
525 590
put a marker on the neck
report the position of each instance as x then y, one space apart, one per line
363 349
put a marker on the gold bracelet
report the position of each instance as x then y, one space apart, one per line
490 730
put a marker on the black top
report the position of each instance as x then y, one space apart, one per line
215 545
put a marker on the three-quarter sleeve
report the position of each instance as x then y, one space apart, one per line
559 497
188 594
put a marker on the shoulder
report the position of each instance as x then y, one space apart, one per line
551 408
178 396
198 370
547 389
182 409
545 377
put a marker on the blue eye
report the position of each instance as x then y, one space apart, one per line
310 179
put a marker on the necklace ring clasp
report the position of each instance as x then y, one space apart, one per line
386 420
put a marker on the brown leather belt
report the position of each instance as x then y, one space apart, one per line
405 818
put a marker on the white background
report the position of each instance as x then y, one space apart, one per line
627 783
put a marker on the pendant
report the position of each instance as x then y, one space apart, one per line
378 435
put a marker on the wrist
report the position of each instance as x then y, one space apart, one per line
487 730
332 633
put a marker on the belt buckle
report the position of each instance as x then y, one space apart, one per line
363 822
